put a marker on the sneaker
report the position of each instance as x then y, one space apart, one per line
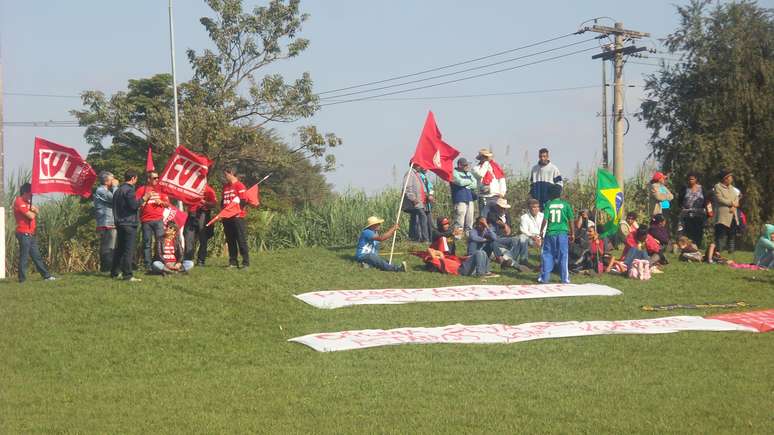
133 279
404 266
491 275
364 265
50 278
231 266
565 282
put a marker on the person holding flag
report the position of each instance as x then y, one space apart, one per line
609 204
153 202
26 214
234 197
196 228
491 181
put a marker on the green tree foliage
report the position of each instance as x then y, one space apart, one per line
225 109
714 109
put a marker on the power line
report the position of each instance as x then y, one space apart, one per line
457 72
493 94
461 79
451 65
27 94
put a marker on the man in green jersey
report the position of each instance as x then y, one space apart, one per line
557 224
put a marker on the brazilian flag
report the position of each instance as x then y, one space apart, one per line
609 203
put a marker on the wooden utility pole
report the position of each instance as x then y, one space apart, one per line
617 55
604 116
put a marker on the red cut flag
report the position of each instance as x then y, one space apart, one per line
433 153
60 169
229 211
495 173
185 175
253 195
149 166
176 215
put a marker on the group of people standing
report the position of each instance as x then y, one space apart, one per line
123 209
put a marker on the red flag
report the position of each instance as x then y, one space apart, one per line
434 154
60 169
173 213
495 173
149 166
253 195
229 211
185 175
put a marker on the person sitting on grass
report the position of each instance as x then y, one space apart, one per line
481 237
169 253
443 237
594 258
508 248
688 250
764 248
659 232
476 264
638 245
367 251
626 227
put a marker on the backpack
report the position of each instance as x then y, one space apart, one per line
640 270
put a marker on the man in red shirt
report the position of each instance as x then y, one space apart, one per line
196 226
234 227
151 215
25 214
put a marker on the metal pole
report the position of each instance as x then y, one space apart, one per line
2 178
174 76
618 127
605 120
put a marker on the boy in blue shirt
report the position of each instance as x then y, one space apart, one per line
559 231
367 251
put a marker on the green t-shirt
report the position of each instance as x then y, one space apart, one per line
558 213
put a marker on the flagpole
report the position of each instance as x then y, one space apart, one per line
397 218
174 76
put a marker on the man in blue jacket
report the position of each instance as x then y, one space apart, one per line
125 206
462 187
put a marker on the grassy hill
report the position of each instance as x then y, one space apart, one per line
207 352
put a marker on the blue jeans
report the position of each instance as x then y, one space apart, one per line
511 247
374 260
476 265
418 225
555 249
634 254
158 266
28 248
149 231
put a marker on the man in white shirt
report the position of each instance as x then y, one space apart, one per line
530 223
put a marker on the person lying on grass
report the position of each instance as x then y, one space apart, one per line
688 250
636 249
367 251
764 248
476 264
169 253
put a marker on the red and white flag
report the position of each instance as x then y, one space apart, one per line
185 175
149 166
60 169
433 153
495 173
230 210
176 215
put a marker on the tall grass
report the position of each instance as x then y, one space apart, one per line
67 236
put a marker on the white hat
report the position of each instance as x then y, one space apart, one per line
502 203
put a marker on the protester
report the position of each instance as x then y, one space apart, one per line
463 188
583 223
234 227
125 206
660 195
544 179
491 181
764 248
103 214
593 258
637 252
693 210
196 229
626 227
26 215
530 224
154 201
481 237
444 237
508 248
414 203
726 198
367 251
558 229
429 200
169 253
660 232
476 264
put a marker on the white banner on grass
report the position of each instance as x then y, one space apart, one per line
343 298
488 334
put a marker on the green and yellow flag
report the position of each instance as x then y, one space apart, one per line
609 203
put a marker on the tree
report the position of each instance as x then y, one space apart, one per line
713 109
225 110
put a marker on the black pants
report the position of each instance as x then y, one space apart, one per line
197 231
725 235
236 238
123 257
694 229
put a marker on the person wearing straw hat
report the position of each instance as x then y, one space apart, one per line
367 251
491 180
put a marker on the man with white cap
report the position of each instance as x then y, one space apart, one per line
367 251
463 188
103 214
491 180
508 249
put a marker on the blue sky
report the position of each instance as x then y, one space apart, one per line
65 47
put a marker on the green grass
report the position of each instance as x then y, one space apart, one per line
208 353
